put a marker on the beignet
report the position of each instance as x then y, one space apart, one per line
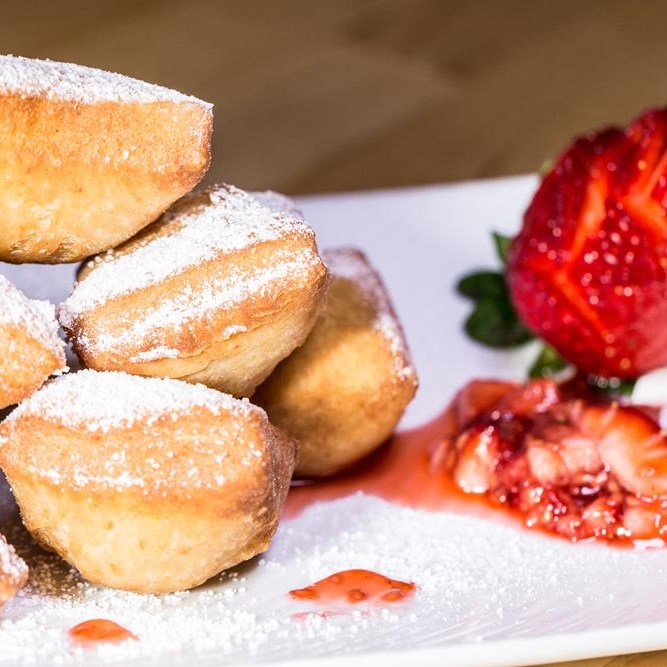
31 348
217 291
343 391
13 572
145 484
88 158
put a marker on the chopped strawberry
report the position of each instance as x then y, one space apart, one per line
588 271
580 469
632 446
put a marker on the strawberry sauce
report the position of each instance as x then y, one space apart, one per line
553 457
406 469
99 631
354 587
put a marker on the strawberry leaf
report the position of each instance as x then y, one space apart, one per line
502 244
547 364
613 387
493 322
482 285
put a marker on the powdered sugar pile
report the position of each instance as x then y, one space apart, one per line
102 401
350 264
36 318
66 81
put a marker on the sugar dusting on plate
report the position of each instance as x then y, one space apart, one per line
516 583
29 77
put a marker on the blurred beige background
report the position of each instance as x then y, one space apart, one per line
328 95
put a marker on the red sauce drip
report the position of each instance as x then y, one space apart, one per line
354 587
99 631
403 471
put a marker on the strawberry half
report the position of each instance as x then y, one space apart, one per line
588 271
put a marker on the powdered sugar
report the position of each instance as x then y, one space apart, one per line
229 220
37 318
157 352
141 435
66 81
217 295
102 401
278 202
350 264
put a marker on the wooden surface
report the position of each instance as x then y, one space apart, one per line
328 95
653 659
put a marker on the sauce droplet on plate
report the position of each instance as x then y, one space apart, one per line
354 587
99 631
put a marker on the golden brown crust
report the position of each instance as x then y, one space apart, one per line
160 503
225 320
342 392
13 572
80 177
31 349
26 363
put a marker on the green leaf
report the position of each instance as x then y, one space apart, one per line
612 386
493 322
626 387
502 244
548 363
482 285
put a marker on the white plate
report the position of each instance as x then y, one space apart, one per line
489 594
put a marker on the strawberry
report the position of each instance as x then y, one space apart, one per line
576 467
588 271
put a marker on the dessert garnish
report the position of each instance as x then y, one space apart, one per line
588 270
587 274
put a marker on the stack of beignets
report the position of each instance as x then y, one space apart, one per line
155 484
